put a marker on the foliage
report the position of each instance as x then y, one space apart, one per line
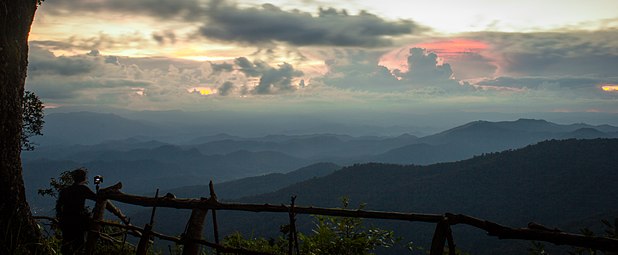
611 231
345 236
330 236
260 244
538 248
56 185
32 119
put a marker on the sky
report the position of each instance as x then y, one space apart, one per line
342 58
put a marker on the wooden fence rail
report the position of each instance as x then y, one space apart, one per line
192 237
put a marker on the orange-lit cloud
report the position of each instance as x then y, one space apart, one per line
609 87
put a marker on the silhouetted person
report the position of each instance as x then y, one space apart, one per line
72 214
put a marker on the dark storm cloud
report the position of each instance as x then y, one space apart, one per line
267 24
54 45
226 21
223 67
251 69
164 37
100 41
44 62
273 80
226 88
68 78
164 9
277 80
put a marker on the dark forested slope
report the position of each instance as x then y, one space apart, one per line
553 183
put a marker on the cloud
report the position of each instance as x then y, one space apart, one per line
164 37
44 62
567 53
272 80
268 24
251 69
226 88
223 67
277 80
423 68
583 86
226 21
99 41
75 78
163 9
359 70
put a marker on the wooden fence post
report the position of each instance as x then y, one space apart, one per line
215 226
95 229
439 238
293 235
142 246
195 227
449 240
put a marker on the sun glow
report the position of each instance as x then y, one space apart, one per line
204 91
610 87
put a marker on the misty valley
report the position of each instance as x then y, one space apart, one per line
510 172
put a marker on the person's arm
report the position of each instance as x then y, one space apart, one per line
88 193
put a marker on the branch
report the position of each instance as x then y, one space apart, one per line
552 236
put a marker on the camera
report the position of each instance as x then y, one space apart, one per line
98 179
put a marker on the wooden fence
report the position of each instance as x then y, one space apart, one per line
192 238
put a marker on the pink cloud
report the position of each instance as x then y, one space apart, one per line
469 58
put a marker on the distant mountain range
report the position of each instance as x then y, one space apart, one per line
145 164
89 128
480 137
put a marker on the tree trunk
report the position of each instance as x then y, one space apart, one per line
19 232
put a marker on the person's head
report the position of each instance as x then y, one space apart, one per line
79 175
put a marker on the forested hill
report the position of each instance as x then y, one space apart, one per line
553 182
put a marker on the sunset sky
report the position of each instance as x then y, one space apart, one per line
313 56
